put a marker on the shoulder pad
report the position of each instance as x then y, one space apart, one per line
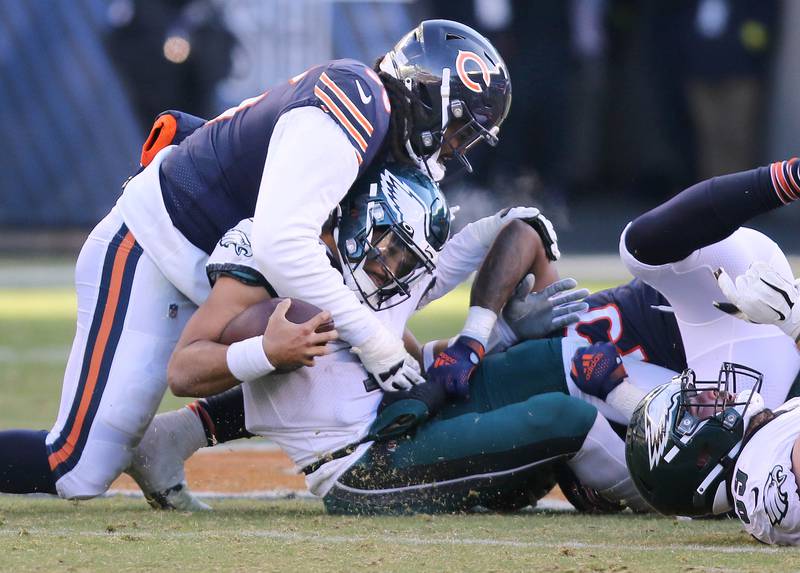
353 96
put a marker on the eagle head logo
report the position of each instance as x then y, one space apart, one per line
776 500
239 241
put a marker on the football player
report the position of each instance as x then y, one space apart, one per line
697 447
759 456
286 157
495 444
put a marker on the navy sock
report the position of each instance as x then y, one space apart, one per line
23 462
222 416
710 211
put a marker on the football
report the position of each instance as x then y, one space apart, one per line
253 320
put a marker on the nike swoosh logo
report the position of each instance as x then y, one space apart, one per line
365 99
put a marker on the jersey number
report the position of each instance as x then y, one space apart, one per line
609 313
740 485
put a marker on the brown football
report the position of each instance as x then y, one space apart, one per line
252 321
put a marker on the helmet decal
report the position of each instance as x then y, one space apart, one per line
776 500
461 62
406 202
656 431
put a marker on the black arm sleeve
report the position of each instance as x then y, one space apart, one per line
701 215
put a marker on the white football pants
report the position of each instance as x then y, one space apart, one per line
711 337
129 319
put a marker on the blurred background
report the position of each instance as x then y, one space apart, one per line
618 104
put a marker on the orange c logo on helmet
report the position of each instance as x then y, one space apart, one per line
461 62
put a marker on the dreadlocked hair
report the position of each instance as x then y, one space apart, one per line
401 118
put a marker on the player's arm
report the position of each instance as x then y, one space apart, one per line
309 167
517 250
202 366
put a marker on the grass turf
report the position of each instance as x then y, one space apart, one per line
118 534
124 535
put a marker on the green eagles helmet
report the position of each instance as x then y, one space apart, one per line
394 216
684 438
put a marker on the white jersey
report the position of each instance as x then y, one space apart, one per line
315 411
764 488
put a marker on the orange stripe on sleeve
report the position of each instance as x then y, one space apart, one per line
98 350
348 103
773 171
341 117
790 178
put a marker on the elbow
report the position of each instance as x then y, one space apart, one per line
520 233
179 384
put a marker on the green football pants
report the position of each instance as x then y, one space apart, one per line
497 449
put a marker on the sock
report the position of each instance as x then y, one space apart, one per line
710 211
169 441
222 416
23 462
600 464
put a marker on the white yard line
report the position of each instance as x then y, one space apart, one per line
388 539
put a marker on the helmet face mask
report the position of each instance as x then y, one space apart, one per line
684 438
459 89
393 224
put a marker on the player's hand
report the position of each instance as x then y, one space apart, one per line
597 369
537 314
487 228
454 366
386 360
289 345
763 296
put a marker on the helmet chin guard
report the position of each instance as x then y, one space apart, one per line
685 436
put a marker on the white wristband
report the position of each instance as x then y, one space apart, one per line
247 360
479 324
427 354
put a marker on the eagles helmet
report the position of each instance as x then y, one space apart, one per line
392 225
684 437
456 77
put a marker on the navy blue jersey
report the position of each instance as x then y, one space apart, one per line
210 181
632 317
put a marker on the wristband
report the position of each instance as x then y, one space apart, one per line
247 360
479 324
427 354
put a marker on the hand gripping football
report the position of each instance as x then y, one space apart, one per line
253 320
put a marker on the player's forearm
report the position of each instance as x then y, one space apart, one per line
303 182
516 251
199 370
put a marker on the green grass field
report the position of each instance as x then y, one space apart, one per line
40 534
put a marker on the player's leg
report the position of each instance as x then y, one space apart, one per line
474 459
524 370
172 437
129 318
709 335
710 211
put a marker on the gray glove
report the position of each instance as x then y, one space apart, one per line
537 314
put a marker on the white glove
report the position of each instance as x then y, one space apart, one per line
486 229
763 296
535 315
385 359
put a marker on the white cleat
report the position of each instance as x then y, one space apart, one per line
177 498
